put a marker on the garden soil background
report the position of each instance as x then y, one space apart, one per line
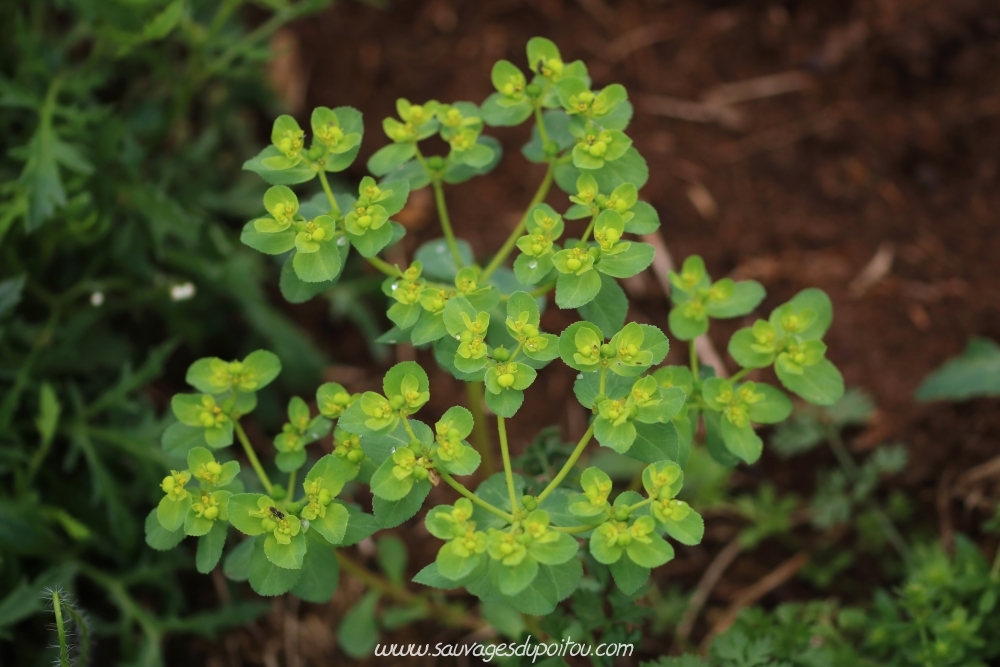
851 146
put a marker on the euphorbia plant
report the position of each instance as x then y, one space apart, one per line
513 539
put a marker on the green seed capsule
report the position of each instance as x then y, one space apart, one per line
573 264
506 380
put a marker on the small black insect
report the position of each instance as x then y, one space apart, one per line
277 513
541 64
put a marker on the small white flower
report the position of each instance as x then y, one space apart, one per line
182 291
96 299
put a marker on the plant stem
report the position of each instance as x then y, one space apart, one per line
604 381
334 209
290 494
254 461
461 488
570 462
544 289
641 503
995 570
480 434
739 375
449 234
573 529
507 469
694 359
543 134
383 266
508 245
851 470
590 228
60 630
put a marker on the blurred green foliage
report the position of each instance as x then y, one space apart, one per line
126 124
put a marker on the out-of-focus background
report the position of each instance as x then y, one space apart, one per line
847 145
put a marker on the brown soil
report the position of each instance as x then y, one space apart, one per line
889 144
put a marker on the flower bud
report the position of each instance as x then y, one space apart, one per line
506 380
530 503
501 353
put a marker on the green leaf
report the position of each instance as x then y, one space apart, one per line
506 403
532 270
587 387
774 408
267 578
391 157
391 513
320 575
499 115
240 507
608 309
429 328
684 327
300 173
289 461
288 556
386 485
568 345
573 291
655 442
160 538
372 241
555 552
630 168
236 567
511 580
262 367
746 295
975 373
552 584
478 161
654 554
741 441
358 633
437 260
178 439
392 558
359 526
741 349
628 576
635 259
210 547
618 437
323 265
270 244
644 220
690 530
296 290
171 513
817 301
820 384
714 442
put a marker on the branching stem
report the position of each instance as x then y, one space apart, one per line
507 469
480 434
461 488
508 245
570 462
252 455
